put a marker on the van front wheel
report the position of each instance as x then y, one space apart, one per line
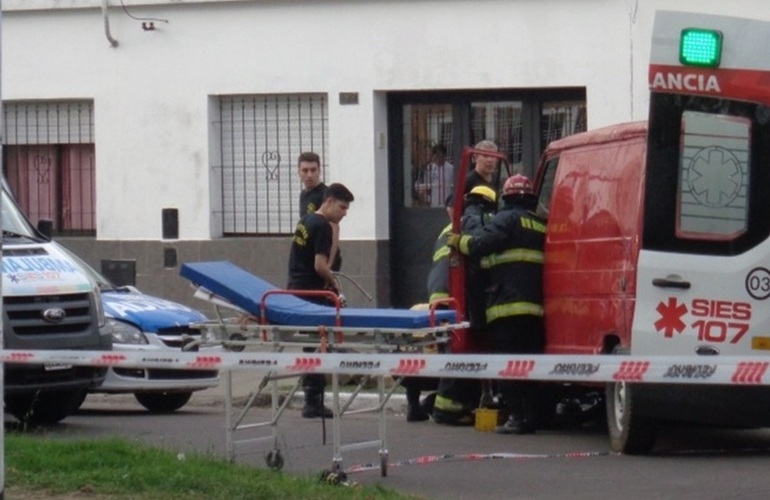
629 432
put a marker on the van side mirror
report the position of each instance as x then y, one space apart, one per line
45 227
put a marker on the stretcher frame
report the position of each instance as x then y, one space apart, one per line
256 332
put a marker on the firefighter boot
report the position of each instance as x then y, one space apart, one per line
313 385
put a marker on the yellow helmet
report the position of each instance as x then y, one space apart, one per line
485 192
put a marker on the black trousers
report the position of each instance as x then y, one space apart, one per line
522 334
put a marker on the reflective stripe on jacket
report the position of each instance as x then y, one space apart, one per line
511 246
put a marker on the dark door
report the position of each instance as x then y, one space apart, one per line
422 123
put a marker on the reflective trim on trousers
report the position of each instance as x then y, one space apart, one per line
443 403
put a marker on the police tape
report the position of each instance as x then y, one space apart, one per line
740 370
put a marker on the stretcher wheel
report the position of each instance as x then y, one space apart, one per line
384 463
274 460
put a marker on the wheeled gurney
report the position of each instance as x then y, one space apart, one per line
277 319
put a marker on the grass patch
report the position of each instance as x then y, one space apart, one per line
117 468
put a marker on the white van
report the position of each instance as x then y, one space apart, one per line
49 302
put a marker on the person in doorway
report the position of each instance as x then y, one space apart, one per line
484 171
484 167
310 269
436 180
511 247
457 398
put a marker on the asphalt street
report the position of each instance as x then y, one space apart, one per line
436 461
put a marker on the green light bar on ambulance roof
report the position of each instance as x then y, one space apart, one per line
700 47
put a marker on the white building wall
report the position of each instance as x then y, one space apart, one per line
152 93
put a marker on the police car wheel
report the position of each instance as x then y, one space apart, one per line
163 402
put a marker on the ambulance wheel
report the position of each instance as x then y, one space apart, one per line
629 432
274 460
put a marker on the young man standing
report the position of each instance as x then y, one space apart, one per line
311 197
310 269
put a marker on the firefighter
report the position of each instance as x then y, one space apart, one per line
438 288
510 248
457 398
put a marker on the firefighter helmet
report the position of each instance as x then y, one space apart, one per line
485 192
517 184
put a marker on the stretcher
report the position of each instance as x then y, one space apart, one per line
276 319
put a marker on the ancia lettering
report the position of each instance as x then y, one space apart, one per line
464 367
686 81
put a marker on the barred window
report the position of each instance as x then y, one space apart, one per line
49 162
260 138
561 119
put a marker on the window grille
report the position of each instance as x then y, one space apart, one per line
49 162
260 138
561 119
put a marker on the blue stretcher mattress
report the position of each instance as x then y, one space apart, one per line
245 290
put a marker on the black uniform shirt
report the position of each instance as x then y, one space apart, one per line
310 199
312 236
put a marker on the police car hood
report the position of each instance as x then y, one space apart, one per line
148 313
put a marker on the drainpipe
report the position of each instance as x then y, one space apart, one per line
113 42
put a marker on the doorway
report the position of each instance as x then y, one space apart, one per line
422 125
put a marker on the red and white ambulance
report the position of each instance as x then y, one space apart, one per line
658 232
657 239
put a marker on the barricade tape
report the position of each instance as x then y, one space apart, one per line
473 457
740 370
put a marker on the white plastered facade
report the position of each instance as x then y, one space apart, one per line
152 93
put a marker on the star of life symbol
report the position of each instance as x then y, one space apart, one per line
670 317
715 177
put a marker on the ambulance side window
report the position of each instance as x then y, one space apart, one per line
714 173
707 187
546 188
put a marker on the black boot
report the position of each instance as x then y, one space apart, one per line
515 425
313 385
414 411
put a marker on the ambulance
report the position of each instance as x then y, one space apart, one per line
49 302
657 235
657 240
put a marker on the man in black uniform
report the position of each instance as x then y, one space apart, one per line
302 272
511 248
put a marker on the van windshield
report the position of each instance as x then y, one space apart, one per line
14 222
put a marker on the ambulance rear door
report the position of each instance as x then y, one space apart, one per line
704 268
